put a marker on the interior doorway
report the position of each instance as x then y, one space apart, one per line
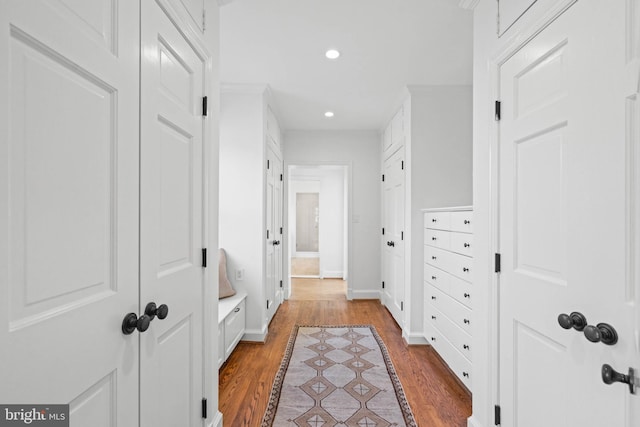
318 203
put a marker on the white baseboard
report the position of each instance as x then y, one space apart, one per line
369 294
473 422
253 335
217 421
328 274
415 339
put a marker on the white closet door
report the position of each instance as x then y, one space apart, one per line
277 209
69 196
272 235
171 222
565 223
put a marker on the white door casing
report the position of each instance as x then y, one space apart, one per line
566 226
172 239
69 191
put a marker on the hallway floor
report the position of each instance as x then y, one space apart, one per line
436 398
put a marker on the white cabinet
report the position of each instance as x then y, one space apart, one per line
448 290
250 225
231 324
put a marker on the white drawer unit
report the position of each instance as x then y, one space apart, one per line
231 324
448 286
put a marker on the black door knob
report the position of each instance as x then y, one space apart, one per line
392 243
610 376
602 332
152 311
574 320
131 322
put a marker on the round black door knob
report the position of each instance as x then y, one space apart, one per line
610 376
574 320
152 311
131 322
602 332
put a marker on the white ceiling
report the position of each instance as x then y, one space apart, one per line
385 45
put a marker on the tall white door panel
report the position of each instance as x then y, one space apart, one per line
172 238
278 230
69 206
394 200
567 221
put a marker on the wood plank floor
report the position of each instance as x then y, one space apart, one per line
436 398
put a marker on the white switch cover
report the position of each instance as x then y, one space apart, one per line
240 274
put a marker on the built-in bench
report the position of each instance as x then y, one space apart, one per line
231 324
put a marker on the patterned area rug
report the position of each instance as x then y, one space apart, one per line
337 376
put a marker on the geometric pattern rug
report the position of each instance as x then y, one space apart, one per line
337 376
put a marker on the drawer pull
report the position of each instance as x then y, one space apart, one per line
433 338
465 374
236 310
434 239
434 220
466 245
466 221
433 258
465 269
466 347
433 297
433 317
433 277
467 321
466 295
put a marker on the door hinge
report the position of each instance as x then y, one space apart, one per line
497 110
402 235
383 285
402 165
281 230
383 231
204 408
401 305
204 257
497 263
268 164
496 415
267 234
204 19
382 177
205 108
281 283
280 177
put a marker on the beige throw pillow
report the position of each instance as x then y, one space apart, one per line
225 288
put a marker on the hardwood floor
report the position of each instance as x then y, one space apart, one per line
318 289
436 398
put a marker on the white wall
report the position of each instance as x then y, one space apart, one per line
361 150
332 206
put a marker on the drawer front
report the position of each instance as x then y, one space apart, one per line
234 324
436 257
461 291
456 336
462 267
437 220
437 278
460 365
458 313
437 238
462 221
462 243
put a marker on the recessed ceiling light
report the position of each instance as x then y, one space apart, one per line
328 114
332 54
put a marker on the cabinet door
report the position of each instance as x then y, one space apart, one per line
69 194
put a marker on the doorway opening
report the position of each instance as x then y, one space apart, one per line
318 243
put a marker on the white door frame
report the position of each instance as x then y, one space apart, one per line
287 250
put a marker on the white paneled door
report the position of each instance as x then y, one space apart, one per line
569 221
69 206
171 209
393 239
